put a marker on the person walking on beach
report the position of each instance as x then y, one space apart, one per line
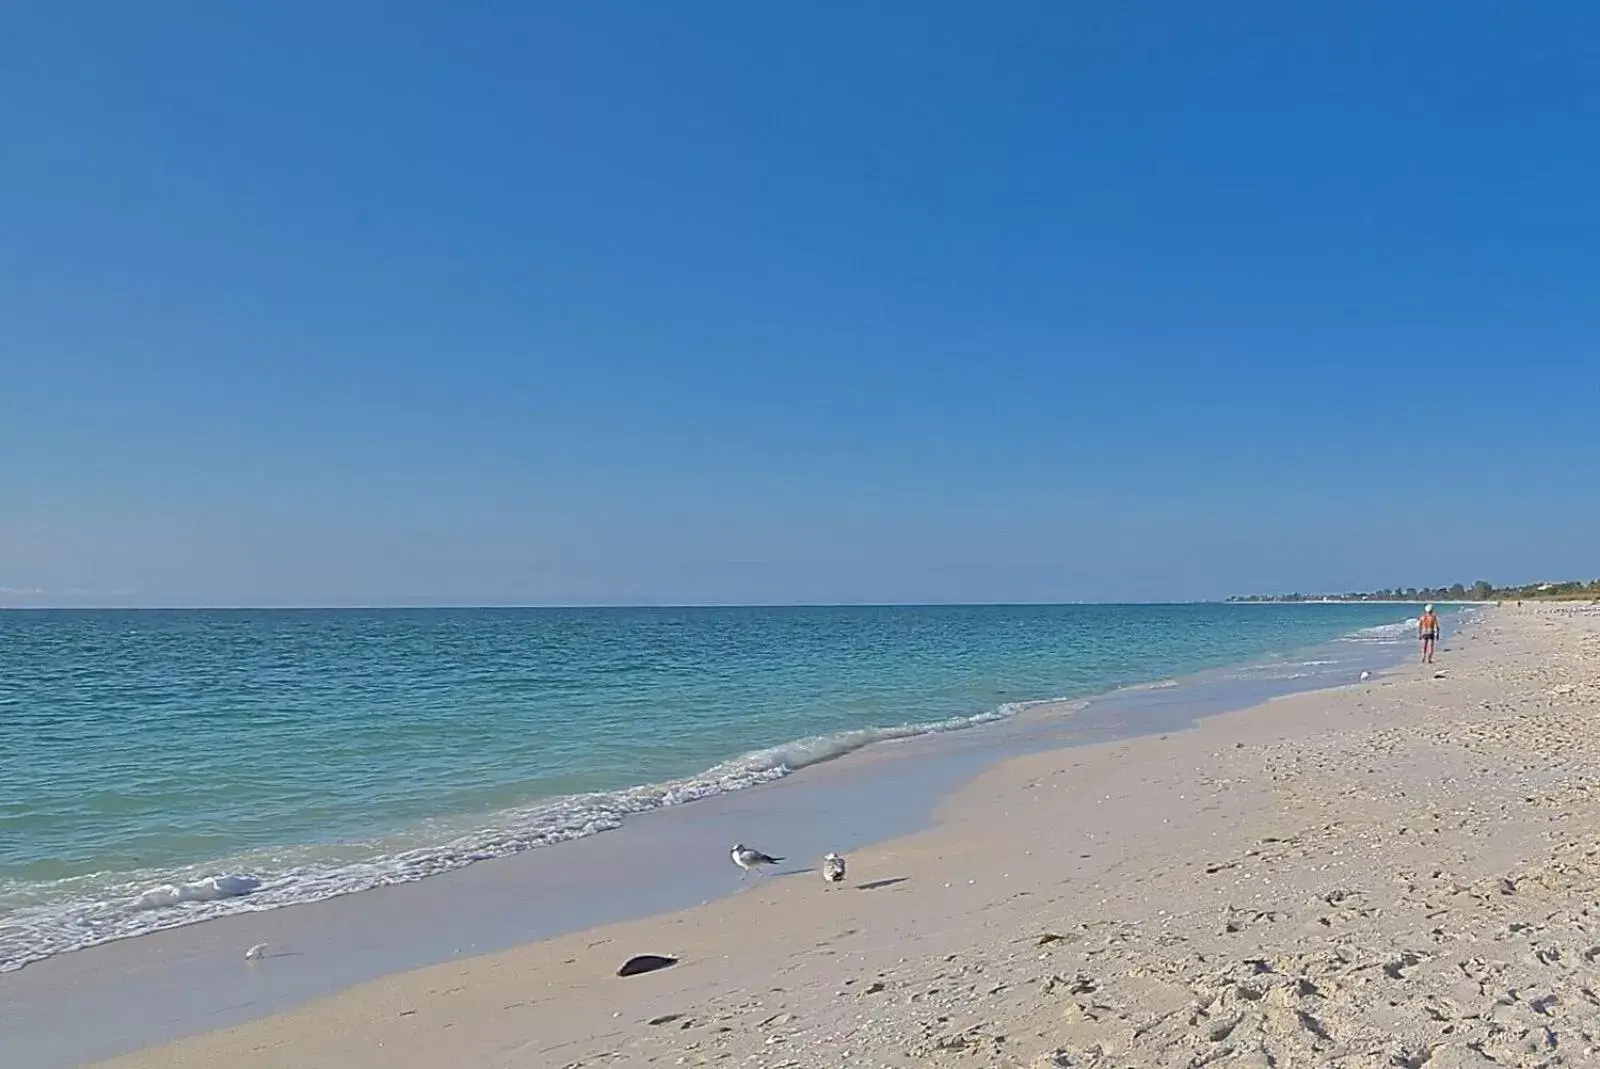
1428 631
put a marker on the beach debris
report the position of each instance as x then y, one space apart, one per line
643 963
256 953
1049 937
750 860
833 868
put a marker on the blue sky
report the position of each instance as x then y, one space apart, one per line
373 303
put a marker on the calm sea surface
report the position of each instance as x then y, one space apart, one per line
159 767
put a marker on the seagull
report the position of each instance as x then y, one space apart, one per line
833 868
1365 676
256 953
748 859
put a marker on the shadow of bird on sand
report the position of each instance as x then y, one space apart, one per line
876 884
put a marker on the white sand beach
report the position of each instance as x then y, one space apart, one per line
1400 872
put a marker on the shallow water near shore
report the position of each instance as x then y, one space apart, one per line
184 980
172 767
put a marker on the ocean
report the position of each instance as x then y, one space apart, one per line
159 767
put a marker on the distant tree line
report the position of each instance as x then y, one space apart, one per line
1482 590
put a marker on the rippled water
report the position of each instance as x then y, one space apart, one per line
162 766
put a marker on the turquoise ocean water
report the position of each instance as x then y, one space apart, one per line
161 767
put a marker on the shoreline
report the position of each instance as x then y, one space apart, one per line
1398 872
380 849
497 891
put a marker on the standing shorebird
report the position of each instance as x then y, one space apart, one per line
748 859
833 868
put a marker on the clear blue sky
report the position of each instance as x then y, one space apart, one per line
682 302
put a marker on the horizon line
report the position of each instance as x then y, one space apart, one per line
400 606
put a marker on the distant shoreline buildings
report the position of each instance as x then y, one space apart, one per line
1482 590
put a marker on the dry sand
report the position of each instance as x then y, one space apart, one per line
1402 872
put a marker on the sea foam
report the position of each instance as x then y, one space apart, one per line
141 904
210 889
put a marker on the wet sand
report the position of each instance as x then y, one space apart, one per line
1399 872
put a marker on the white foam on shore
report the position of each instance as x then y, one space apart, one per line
1160 684
210 889
90 913
1383 632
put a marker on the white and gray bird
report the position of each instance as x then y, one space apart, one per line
1365 676
833 868
748 859
256 953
